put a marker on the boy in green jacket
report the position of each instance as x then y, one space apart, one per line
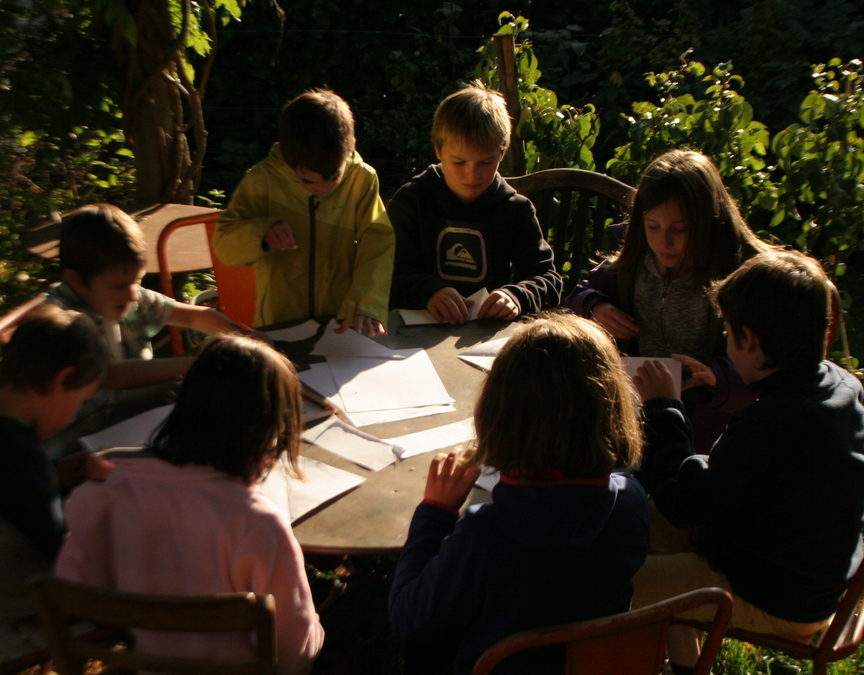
311 221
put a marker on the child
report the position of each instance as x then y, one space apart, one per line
52 364
460 227
102 261
309 218
779 503
685 231
563 536
187 519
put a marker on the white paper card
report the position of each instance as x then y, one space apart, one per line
294 334
488 479
419 317
483 355
348 343
433 439
632 363
384 384
134 432
320 484
352 444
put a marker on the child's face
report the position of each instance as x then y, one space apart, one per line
111 293
317 184
667 232
468 171
61 407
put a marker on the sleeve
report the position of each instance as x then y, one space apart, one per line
269 560
537 283
600 286
435 584
414 280
240 230
154 309
690 489
373 268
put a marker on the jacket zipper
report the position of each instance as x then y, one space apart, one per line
313 204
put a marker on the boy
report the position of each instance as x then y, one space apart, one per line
102 263
460 227
53 362
311 221
778 504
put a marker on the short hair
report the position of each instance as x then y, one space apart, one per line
784 298
719 238
474 115
48 340
558 398
97 237
316 132
238 409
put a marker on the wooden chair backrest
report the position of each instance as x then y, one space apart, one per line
59 603
631 642
574 208
10 320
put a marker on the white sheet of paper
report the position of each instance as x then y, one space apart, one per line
320 484
134 432
483 355
385 384
433 439
350 443
348 343
488 479
294 334
632 363
419 317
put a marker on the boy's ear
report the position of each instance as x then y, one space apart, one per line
438 154
750 343
58 382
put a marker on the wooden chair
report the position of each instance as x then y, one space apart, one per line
236 285
839 640
631 642
574 207
59 603
10 320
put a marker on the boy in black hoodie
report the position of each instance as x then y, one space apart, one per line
460 227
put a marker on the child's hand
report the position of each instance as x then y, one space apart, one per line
362 324
499 305
450 480
701 375
448 306
653 380
620 325
280 237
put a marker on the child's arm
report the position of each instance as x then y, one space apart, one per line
366 303
241 229
134 373
208 321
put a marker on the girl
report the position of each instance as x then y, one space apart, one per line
185 518
563 535
685 232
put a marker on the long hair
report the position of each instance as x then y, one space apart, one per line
238 409
558 399
719 239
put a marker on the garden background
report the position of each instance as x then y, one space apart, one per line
138 101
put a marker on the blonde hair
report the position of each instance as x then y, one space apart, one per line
558 398
475 115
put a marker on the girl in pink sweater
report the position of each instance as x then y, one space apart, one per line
185 518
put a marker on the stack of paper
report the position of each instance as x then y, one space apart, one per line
418 317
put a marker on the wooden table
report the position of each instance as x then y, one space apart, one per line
189 250
374 517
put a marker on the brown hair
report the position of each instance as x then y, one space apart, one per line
783 297
475 115
48 340
316 132
239 408
557 398
97 237
719 239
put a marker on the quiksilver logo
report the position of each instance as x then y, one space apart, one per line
459 256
